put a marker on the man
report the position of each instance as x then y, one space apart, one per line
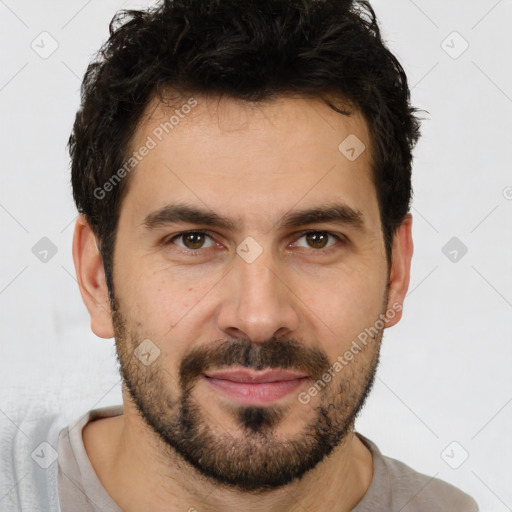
242 171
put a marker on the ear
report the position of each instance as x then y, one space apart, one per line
91 278
400 271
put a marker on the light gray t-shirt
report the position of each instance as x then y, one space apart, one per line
395 486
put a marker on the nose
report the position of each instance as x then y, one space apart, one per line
257 303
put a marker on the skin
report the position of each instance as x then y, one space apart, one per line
252 164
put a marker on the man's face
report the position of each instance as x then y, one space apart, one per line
260 294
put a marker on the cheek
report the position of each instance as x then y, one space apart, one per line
343 307
165 298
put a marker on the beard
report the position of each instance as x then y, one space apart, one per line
258 459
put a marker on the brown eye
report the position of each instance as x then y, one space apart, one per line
318 239
192 240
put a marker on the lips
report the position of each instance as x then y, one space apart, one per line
250 387
256 377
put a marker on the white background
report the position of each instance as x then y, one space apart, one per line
445 370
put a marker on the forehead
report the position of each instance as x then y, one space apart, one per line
250 160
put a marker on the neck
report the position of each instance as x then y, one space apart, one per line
130 463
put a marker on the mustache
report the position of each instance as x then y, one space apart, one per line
283 353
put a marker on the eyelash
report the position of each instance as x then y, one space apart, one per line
197 252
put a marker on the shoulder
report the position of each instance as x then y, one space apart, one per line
428 493
412 491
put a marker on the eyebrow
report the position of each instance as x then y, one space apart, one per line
181 213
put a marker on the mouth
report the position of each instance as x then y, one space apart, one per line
255 387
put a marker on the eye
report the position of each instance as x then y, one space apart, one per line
318 239
192 240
